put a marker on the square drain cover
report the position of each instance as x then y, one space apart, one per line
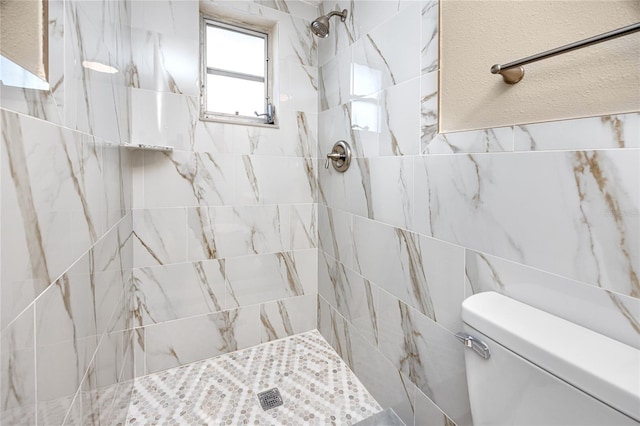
270 399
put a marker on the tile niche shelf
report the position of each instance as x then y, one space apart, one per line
146 147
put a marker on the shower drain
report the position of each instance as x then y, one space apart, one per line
270 399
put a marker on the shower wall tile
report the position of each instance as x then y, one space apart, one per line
499 139
609 131
428 109
428 413
423 272
18 379
428 354
377 54
429 40
287 317
169 292
399 112
304 226
174 343
581 212
353 296
257 279
334 234
603 311
335 81
160 236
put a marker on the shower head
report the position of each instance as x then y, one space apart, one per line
320 26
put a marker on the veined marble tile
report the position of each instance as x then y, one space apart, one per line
354 297
304 226
297 8
160 236
431 357
183 179
170 292
400 119
580 210
422 272
429 36
609 131
18 376
175 18
166 62
368 14
295 137
428 413
497 139
611 314
334 124
263 278
388 385
167 119
391 198
334 233
220 232
53 205
276 180
379 53
428 109
180 342
298 87
335 81
324 318
287 317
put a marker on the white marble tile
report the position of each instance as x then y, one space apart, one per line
18 375
430 356
391 197
303 233
166 119
174 18
287 317
428 413
335 234
160 236
298 87
428 109
422 272
378 52
609 131
180 342
400 119
613 315
182 179
390 387
354 297
275 180
342 33
429 40
225 231
263 278
497 139
335 81
166 62
324 318
169 292
580 210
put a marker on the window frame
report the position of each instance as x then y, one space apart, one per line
241 27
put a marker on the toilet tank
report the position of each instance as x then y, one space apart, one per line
544 370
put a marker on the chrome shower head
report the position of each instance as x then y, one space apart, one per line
320 26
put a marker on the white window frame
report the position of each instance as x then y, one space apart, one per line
244 28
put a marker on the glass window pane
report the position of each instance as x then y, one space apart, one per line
234 51
230 95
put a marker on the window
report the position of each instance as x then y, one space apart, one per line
236 74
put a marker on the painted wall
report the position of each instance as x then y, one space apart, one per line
548 214
65 228
597 80
225 226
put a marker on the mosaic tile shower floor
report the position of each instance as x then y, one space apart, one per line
316 385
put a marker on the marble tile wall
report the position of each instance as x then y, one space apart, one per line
546 213
66 247
225 226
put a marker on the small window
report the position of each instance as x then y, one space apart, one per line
236 81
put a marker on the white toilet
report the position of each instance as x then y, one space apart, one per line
528 367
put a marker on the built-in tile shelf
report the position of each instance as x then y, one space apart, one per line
136 146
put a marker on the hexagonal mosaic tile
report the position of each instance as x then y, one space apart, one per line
316 386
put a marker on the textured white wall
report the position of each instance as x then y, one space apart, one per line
597 80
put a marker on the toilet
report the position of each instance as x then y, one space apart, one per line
528 367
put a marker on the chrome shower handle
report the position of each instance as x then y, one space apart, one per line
340 155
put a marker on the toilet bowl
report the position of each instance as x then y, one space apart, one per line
528 367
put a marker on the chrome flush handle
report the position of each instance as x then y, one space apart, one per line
478 346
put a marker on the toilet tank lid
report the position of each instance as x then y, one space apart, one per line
602 367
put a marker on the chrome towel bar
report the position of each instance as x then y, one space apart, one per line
513 72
